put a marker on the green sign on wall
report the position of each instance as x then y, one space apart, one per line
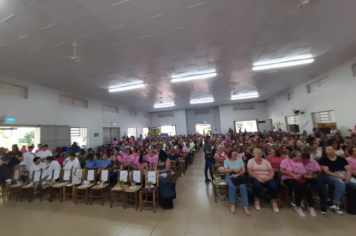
96 134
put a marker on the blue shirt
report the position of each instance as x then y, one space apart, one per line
102 163
93 163
238 164
173 157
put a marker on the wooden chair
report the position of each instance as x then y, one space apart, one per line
175 171
101 189
35 182
20 178
219 186
88 175
153 192
117 190
56 179
131 193
49 182
65 179
285 191
70 189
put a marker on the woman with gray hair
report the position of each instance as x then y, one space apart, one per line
220 155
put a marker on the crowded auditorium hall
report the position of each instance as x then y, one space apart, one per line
177 117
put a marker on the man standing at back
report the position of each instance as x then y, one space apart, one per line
28 158
209 159
44 153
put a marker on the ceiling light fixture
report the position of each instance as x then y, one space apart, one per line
201 101
161 105
194 77
244 96
283 64
124 88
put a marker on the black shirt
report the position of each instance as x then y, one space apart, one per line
337 165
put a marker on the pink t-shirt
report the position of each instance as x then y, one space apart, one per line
114 143
152 159
275 161
352 162
293 167
127 158
262 170
311 166
139 165
185 149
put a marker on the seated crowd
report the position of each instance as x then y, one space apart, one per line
275 160
149 154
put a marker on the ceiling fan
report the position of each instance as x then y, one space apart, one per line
303 3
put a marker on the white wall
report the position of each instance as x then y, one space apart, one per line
179 120
212 118
43 108
228 116
338 95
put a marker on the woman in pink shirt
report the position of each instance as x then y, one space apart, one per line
352 160
151 158
23 149
261 173
127 158
275 159
220 155
294 177
39 146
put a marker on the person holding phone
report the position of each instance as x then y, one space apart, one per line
314 178
294 177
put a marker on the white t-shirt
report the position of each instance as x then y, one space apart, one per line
28 160
333 132
44 154
67 160
75 164
53 166
38 167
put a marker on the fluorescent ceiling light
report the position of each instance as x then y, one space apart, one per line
201 101
163 105
194 77
244 96
135 86
283 64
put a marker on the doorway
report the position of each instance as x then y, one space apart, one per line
203 128
109 134
18 135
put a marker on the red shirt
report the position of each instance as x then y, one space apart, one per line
275 161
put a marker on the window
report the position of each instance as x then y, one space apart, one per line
292 120
145 132
13 90
73 102
316 86
324 117
165 114
170 130
290 96
132 132
108 108
80 136
249 125
132 113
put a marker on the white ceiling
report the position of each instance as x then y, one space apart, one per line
122 42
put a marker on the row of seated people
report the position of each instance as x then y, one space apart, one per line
298 169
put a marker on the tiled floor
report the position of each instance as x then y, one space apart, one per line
195 214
